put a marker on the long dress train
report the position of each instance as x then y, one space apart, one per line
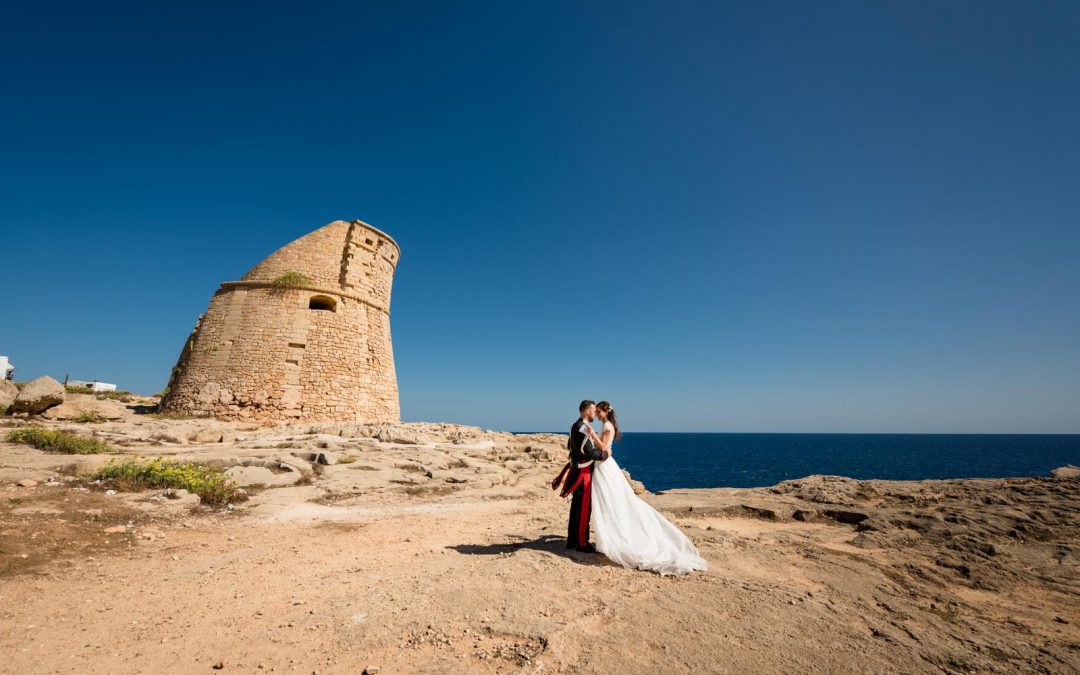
634 534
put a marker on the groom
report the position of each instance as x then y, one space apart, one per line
583 452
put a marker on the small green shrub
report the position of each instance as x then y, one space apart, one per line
210 483
291 280
346 459
163 393
59 441
90 417
79 390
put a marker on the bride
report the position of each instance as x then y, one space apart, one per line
627 529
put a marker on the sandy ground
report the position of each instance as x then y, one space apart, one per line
440 549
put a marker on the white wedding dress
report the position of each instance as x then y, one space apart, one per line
631 532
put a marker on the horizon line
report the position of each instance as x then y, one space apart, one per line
835 433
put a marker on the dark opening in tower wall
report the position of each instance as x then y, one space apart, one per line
323 303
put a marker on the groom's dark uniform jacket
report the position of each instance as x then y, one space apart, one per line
581 447
583 452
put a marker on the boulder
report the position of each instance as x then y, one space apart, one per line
516 465
82 405
251 475
208 436
638 487
167 437
39 395
254 474
820 489
400 436
8 393
326 458
1067 471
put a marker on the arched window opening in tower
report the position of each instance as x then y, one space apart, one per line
323 303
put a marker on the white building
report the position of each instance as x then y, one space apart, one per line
94 386
6 369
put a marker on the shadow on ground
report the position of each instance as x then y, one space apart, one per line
547 543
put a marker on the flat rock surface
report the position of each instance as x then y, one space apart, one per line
439 548
77 405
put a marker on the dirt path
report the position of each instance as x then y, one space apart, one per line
483 586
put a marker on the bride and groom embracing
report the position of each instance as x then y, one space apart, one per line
628 530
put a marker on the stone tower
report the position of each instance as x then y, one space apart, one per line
304 336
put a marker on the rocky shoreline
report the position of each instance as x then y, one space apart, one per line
438 547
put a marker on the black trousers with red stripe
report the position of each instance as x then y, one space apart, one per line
580 484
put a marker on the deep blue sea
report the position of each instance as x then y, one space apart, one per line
670 460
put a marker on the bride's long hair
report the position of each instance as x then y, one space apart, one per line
609 410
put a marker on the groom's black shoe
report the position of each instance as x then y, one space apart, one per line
587 548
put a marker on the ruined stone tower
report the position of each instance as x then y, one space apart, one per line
304 336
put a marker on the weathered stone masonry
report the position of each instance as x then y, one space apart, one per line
320 352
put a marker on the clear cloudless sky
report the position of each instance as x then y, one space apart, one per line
721 216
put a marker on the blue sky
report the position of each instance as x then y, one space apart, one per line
756 216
